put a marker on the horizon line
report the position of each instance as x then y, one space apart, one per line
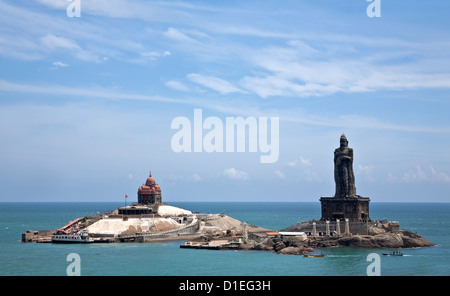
216 202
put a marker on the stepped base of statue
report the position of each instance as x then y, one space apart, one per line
354 208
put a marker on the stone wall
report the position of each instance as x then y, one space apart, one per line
355 209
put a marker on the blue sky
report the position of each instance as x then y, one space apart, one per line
86 104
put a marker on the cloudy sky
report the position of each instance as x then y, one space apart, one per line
86 103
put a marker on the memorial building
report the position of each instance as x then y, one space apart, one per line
150 192
149 199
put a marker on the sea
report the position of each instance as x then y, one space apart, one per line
430 220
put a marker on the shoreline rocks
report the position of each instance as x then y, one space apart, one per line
401 239
293 245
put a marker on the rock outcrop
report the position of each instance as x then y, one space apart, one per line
401 239
281 245
377 238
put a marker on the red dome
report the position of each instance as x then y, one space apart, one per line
150 186
150 180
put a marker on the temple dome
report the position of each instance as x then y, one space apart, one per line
150 180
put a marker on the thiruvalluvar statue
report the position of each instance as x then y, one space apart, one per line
343 170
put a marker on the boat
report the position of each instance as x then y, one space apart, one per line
395 253
314 255
81 238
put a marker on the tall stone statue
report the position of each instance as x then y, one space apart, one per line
343 170
345 204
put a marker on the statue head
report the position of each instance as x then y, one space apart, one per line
343 141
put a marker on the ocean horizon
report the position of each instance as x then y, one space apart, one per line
166 258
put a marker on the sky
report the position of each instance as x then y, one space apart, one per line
87 103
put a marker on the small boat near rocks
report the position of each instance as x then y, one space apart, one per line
314 255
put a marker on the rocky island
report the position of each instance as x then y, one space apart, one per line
147 220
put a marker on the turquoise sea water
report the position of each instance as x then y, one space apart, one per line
428 219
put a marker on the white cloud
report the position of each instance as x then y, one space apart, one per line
299 162
439 176
154 55
57 65
196 178
177 85
280 174
234 174
120 9
366 171
35 34
303 66
300 70
429 174
220 85
81 92
414 175
51 42
277 86
353 121
303 169
177 35
392 178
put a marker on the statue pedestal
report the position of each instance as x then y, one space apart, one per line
354 208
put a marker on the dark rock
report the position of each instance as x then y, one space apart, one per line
291 251
402 239
278 246
293 241
413 240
